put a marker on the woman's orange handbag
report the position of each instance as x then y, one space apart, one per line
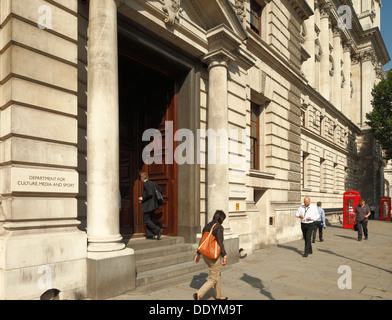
208 245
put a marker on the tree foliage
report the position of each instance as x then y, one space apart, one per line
380 119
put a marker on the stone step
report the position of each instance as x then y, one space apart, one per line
164 251
164 261
142 243
194 278
169 272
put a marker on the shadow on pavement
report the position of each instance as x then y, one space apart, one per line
358 261
347 237
256 283
290 248
198 280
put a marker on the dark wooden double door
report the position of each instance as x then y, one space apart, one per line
148 99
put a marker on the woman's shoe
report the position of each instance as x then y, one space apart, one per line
196 296
223 298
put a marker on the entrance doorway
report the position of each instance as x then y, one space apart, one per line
148 98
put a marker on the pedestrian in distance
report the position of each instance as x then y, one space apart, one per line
372 211
362 213
214 279
308 214
149 205
319 224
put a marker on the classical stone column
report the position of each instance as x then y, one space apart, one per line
217 119
357 89
346 92
337 75
309 65
218 145
105 249
368 81
102 129
324 62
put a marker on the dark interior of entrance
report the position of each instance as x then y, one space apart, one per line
158 82
147 99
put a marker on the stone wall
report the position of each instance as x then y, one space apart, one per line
41 247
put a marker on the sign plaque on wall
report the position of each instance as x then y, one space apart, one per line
45 181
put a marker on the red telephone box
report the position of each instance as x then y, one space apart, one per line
385 209
350 201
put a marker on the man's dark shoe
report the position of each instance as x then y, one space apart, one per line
159 234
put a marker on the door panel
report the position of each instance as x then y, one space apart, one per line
165 174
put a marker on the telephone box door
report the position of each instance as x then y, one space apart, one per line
350 201
385 209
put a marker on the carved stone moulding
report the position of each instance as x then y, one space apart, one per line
172 9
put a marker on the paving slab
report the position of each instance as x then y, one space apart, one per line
280 272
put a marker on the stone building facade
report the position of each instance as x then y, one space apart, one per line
388 180
81 82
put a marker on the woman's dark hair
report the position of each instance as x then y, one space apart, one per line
219 216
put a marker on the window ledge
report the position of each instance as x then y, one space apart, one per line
261 174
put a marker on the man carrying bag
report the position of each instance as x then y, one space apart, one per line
149 205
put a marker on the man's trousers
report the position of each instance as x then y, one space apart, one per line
307 230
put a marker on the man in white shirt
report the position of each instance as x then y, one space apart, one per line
308 214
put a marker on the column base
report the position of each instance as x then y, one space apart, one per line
105 247
110 273
105 243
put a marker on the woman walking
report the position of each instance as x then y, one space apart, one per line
214 279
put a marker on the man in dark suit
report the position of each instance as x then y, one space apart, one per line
149 205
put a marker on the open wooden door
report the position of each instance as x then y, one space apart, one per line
148 99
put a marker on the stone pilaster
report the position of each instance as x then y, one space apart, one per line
346 90
337 75
368 80
309 65
356 89
324 62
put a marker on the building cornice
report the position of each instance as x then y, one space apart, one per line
357 33
374 36
302 8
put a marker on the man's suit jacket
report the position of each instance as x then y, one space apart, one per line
150 202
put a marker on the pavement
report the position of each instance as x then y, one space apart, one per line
340 268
